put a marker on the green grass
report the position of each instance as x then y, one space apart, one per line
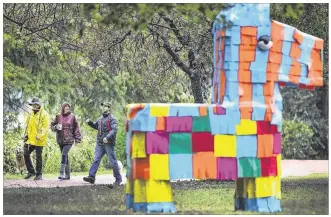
300 196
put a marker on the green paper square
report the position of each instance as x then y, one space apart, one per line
180 143
201 124
249 167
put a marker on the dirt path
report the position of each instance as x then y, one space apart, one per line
289 168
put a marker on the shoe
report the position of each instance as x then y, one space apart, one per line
29 175
60 178
89 179
66 178
39 177
118 183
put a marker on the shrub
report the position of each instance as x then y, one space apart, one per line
297 140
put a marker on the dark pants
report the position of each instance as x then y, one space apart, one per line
28 149
99 152
65 165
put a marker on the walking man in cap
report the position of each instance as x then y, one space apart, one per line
35 138
106 139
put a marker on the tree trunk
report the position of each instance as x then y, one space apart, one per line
196 89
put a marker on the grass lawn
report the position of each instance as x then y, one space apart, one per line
300 195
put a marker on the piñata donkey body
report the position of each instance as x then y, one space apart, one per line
238 136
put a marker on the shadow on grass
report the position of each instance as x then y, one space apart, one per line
300 196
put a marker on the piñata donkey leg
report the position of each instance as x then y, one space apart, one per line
260 194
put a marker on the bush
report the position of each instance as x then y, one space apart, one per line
297 140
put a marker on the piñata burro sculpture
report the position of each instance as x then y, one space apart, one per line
238 136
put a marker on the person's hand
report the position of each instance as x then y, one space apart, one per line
25 138
59 126
105 140
37 138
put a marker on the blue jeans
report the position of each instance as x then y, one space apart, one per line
99 152
65 159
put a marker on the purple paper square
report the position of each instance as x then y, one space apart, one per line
227 168
179 124
220 110
157 142
277 143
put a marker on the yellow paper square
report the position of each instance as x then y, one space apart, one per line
139 191
159 110
246 127
251 187
129 186
267 186
278 187
225 146
159 166
138 145
245 187
158 191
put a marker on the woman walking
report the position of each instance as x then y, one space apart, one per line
67 133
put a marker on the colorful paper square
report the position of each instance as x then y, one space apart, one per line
159 110
227 168
158 191
267 186
265 145
140 168
159 166
181 166
204 165
225 146
201 124
139 190
202 142
157 142
268 166
246 127
179 124
277 143
138 145
246 146
249 167
180 143
264 127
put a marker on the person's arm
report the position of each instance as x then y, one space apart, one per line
113 126
54 123
43 126
77 134
93 124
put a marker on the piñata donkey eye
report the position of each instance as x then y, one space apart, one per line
264 42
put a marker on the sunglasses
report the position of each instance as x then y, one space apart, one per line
35 106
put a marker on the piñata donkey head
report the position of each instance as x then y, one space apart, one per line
238 136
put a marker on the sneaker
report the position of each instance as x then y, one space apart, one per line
66 178
39 177
89 179
117 183
29 175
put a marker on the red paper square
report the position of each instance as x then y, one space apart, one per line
264 127
268 166
202 142
140 168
